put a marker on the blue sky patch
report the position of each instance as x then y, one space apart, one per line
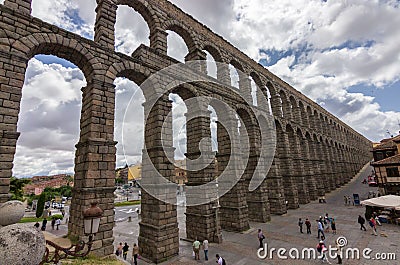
387 97
51 59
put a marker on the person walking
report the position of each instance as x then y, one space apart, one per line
320 229
118 252
220 260
125 250
301 225
58 222
44 223
196 249
322 249
308 226
261 237
135 253
339 248
372 223
205 249
361 221
53 223
333 226
327 222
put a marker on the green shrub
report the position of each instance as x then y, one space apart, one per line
57 216
40 205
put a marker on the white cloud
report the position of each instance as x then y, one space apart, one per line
48 135
131 30
70 15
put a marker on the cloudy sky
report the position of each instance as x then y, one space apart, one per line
343 54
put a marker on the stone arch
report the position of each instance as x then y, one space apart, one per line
214 51
185 91
58 45
285 105
145 10
303 115
300 132
133 72
264 98
184 32
237 65
271 88
295 110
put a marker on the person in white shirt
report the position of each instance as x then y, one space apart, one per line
58 222
220 260
205 248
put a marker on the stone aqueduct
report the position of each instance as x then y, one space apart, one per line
316 152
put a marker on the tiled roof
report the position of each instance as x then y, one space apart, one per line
386 145
388 161
396 139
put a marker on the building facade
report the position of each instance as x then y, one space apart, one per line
387 165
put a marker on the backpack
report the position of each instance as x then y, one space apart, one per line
223 261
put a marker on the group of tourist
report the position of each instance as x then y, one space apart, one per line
197 245
348 200
372 223
54 222
122 251
324 224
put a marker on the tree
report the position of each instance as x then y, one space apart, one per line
40 205
16 188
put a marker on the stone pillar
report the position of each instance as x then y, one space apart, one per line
276 105
158 41
245 87
325 164
200 58
349 170
158 234
296 114
257 200
319 168
19 5
201 220
94 178
276 190
12 74
286 167
8 142
223 74
287 111
335 166
234 211
298 168
331 168
309 168
304 118
342 161
104 28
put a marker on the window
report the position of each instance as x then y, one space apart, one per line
392 172
379 156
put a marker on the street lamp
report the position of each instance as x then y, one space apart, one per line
91 222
